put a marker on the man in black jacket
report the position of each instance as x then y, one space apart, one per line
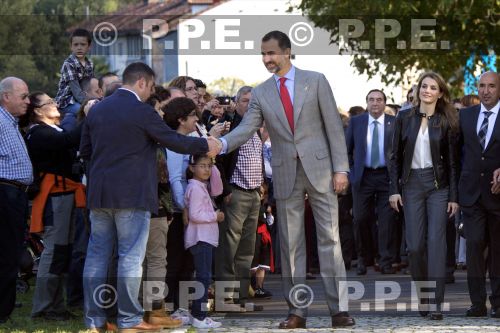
479 194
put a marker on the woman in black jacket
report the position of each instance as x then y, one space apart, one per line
424 165
52 152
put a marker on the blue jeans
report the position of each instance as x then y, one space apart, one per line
130 229
70 108
69 115
202 258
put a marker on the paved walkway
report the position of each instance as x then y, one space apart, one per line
367 320
405 324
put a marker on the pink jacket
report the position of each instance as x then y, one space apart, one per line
203 225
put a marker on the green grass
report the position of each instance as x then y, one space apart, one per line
21 321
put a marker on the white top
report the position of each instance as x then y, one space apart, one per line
491 121
369 136
422 157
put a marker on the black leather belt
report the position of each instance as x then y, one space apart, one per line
244 189
376 169
21 186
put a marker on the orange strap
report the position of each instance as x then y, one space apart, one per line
50 186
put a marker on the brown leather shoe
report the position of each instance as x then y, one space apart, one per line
142 327
342 319
293 321
160 318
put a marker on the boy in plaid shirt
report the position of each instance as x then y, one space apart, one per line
76 67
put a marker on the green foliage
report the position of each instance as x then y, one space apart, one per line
34 37
226 85
471 27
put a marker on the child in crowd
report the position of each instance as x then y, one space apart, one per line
263 259
202 232
76 67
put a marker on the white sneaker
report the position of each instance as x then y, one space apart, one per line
206 323
183 315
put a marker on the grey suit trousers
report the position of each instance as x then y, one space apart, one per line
426 217
293 246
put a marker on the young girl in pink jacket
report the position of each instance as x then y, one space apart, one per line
202 232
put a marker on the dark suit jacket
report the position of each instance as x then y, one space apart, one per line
120 137
477 166
356 145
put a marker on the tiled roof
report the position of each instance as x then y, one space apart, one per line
129 20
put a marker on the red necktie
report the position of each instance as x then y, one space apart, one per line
287 102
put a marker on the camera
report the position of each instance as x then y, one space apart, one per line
224 100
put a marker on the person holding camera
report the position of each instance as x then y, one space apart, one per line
52 153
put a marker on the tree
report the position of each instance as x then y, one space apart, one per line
226 85
471 27
34 37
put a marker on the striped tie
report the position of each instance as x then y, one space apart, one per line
483 130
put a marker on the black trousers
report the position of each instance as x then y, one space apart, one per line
372 197
346 232
179 261
482 228
13 217
451 236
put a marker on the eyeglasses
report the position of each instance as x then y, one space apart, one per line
204 166
49 102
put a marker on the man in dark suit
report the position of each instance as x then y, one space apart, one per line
369 142
479 194
120 138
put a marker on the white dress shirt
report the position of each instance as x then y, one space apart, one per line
369 136
133 92
491 121
422 157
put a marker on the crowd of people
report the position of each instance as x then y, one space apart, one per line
143 187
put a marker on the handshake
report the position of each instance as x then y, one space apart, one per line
214 146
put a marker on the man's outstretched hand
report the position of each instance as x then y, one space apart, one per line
214 146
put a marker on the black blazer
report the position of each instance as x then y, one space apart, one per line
444 151
52 151
477 166
356 144
120 136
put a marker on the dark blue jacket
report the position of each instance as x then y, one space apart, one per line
120 137
477 165
356 145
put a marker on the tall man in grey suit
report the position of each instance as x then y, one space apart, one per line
309 156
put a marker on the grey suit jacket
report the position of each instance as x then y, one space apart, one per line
318 139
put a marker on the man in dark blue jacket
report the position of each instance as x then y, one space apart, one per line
120 138
369 138
479 194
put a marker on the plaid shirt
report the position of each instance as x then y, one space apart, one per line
15 163
72 70
248 171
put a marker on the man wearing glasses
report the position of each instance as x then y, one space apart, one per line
16 174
